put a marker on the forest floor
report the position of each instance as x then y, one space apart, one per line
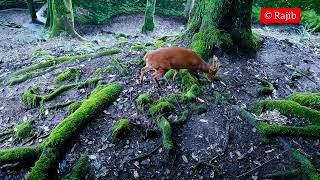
219 134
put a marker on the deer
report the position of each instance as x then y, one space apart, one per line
163 59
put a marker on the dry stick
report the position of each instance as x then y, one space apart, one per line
146 154
268 161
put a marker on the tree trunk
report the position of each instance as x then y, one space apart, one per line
149 16
60 18
188 8
32 10
221 23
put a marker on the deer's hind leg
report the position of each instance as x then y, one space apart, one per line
155 75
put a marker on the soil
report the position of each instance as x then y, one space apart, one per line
219 134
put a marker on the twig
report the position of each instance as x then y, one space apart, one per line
268 161
146 154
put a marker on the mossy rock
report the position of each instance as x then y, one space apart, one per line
23 130
144 99
120 127
265 87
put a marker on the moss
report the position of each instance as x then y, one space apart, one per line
265 87
31 97
186 80
256 14
16 80
19 154
165 127
221 98
312 130
203 42
160 107
69 74
81 168
54 145
157 43
284 174
41 53
149 16
106 69
192 93
137 47
311 100
120 34
23 130
169 74
53 62
144 99
73 107
199 108
288 108
306 165
120 127
181 119
121 68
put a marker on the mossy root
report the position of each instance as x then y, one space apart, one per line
19 154
81 168
311 100
165 127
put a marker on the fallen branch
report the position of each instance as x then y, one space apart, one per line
143 156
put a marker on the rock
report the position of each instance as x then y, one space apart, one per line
184 158
136 174
145 162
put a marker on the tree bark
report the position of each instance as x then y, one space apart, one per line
221 23
149 16
32 11
60 18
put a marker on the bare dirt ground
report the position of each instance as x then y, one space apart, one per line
218 134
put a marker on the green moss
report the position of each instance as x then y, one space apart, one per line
165 127
16 80
144 99
311 100
169 74
284 174
204 41
157 43
149 16
121 68
186 80
256 14
19 154
221 98
81 168
306 165
265 87
199 108
69 74
42 53
106 69
160 107
312 130
53 62
181 119
73 107
137 47
31 97
192 93
23 130
288 108
120 127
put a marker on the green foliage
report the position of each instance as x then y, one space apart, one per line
288 108
69 74
121 68
81 168
19 154
107 69
221 98
160 107
256 14
23 130
73 107
265 87
311 100
120 127
149 16
53 62
310 20
165 127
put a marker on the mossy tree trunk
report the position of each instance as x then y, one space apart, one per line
188 8
149 16
32 10
60 18
221 23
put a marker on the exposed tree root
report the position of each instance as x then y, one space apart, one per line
284 174
53 62
31 97
52 149
311 100
30 75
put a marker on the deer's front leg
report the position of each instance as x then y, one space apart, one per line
144 70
